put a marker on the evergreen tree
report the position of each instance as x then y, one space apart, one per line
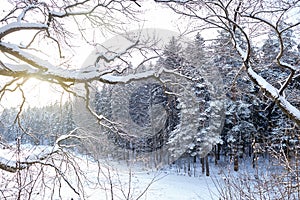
277 123
196 52
37 125
172 55
239 129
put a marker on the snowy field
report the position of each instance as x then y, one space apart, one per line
82 178
55 174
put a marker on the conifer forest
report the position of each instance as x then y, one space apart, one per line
150 99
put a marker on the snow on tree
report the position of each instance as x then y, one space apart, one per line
160 120
233 17
47 54
52 33
243 24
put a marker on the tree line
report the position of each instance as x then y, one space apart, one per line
253 123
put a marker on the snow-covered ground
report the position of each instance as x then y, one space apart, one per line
53 173
183 187
95 180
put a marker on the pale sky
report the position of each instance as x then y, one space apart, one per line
153 15
39 93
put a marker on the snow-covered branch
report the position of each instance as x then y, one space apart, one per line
290 110
18 26
20 54
36 156
231 17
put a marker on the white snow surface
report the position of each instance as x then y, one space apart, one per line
99 178
130 77
168 185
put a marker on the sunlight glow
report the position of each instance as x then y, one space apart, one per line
37 94
40 93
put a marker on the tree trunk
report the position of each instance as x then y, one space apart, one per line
236 163
207 165
202 165
217 153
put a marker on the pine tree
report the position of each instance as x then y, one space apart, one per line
239 129
172 55
277 124
196 51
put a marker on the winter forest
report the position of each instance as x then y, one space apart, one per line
141 99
